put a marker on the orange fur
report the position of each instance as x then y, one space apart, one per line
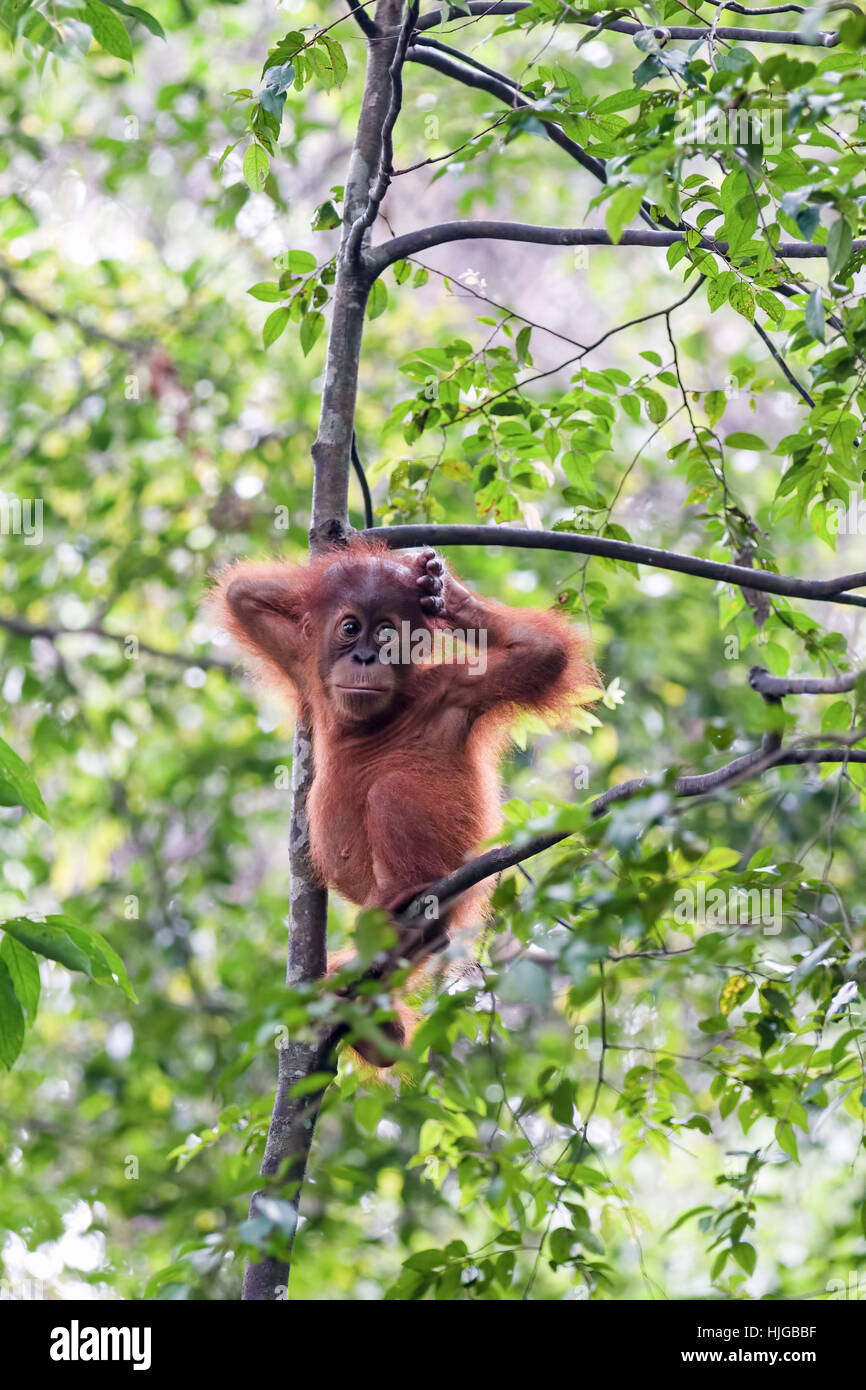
407 797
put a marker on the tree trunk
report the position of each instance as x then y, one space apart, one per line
294 1118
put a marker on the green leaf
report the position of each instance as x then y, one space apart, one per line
108 30
311 328
378 301
741 297
718 289
19 779
741 439
300 262
256 167
23 968
621 208
715 403
265 290
133 12
338 58
48 939
656 408
325 217
77 947
786 1139
839 241
106 967
745 1256
11 1019
274 325
522 345
815 315
771 304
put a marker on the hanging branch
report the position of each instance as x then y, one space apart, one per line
828 590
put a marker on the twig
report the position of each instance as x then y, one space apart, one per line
786 370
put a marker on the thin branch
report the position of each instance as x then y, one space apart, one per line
779 359
439 158
88 331
494 304
828 590
504 89
369 519
290 1133
480 9
578 356
690 32
429 935
22 628
410 243
784 9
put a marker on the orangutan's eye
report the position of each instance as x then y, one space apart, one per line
350 627
385 632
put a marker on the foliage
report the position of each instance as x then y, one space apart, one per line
640 1090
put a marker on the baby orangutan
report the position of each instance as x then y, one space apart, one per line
405 750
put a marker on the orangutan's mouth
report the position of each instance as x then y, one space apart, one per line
363 689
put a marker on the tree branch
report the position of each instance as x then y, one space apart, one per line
774 687
134 346
363 20
333 445
22 628
779 359
410 243
828 590
444 60
428 935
